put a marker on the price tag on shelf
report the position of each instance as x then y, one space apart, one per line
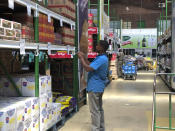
49 50
49 18
22 47
11 4
61 23
28 10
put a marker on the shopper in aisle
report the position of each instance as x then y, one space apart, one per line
120 57
96 83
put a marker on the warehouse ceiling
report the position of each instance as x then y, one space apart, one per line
147 4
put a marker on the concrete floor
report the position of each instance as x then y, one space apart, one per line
127 105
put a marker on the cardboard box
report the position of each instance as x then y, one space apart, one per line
7 88
6 24
2 31
43 112
10 33
16 25
7 117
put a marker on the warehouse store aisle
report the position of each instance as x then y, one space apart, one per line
127 106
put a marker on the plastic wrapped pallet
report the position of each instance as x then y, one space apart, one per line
43 112
7 117
7 89
28 85
56 109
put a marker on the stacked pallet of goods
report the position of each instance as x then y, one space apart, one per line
36 109
113 66
10 30
27 30
63 7
67 102
46 29
90 37
68 36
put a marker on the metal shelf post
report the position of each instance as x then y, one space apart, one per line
75 59
36 22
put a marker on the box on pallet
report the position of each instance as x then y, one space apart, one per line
7 89
56 110
7 117
28 85
43 112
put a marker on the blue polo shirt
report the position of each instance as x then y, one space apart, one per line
96 78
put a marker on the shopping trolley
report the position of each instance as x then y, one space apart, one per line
129 70
155 92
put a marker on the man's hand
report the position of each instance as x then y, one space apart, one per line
80 55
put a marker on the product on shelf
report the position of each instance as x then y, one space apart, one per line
46 29
63 7
25 84
27 33
68 36
19 111
58 39
10 30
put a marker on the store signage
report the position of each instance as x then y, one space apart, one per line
90 16
92 30
90 40
111 34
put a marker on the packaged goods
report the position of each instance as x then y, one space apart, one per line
43 112
7 117
56 111
16 26
10 33
6 24
7 87
2 31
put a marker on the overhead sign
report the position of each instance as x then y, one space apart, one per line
139 38
92 30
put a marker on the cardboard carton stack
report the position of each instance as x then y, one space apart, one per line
90 37
68 36
10 30
19 113
67 102
46 29
27 31
26 84
113 66
63 7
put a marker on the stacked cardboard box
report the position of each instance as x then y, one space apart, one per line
68 36
27 26
46 29
58 39
90 37
67 102
19 113
10 30
49 112
63 7
113 66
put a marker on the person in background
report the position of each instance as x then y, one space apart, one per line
120 57
98 70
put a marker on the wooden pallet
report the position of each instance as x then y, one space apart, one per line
61 123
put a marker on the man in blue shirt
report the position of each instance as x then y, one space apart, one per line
97 75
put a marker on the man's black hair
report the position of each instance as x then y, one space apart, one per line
104 44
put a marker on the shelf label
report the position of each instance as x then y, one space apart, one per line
11 4
22 47
49 18
28 10
61 23
49 50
